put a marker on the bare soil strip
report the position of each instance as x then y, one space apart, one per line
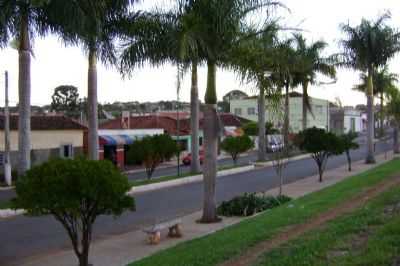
250 256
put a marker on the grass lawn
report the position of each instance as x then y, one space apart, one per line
367 236
220 246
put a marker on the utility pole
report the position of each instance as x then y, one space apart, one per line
7 164
177 121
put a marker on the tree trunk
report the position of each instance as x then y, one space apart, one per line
370 158
210 129
396 147
382 116
261 126
194 121
286 118
348 160
305 109
24 96
93 139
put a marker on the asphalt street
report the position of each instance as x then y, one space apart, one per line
22 237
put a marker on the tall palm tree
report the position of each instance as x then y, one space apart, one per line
168 38
94 27
218 24
393 109
23 20
252 60
366 47
383 82
312 63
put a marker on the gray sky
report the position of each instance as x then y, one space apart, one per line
54 64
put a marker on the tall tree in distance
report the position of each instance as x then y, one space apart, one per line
383 82
94 28
367 47
66 99
311 63
393 109
23 20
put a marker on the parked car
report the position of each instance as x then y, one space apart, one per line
187 160
274 143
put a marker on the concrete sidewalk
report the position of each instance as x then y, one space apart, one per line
131 246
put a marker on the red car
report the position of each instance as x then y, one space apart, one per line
188 158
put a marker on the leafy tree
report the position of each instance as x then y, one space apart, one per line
393 109
366 47
75 192
251 129
153 150
23 20
66 99
236 145
320 144
383 82
280 159
311 63
348 144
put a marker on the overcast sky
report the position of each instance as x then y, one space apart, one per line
54 64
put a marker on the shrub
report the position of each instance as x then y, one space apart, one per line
236 145
250 203
133 157
75 192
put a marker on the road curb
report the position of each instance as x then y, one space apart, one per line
292 159
186 180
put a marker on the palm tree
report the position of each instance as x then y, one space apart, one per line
383 81
393 109
312 63
218 24
22 20
94 28
168 38
366 47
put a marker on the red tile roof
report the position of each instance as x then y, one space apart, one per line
168 123
42 122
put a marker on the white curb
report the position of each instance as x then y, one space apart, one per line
186 180
10 213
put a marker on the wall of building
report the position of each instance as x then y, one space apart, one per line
249 110
347 123
46 139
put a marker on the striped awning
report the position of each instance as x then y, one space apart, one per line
108 140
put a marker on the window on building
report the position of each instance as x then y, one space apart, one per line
66 151
319 109
353 124
251 111
200 141
238 111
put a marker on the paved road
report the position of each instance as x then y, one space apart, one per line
22 237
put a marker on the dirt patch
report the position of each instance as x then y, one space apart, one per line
250 256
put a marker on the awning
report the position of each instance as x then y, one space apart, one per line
108 140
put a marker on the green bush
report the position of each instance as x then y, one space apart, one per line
75 192
250 203
236 145
133 157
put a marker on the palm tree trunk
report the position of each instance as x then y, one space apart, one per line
93 141
24 89
396 147
305 105
194 121
370 158
261 126
382 116
210 147
286 118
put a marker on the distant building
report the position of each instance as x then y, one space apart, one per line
344 120
51 136
248 109
234 95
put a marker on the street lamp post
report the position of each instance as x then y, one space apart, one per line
7 164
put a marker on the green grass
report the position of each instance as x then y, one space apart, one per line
367 236
5 205
220 246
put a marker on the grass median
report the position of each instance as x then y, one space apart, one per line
232 241
368 236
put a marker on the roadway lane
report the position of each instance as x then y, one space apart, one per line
23 237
